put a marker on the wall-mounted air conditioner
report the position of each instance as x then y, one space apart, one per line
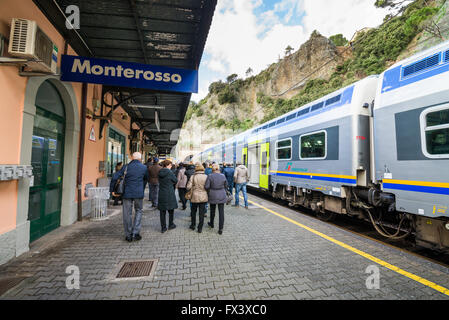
28 41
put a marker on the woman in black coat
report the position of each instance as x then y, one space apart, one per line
216 186
167 198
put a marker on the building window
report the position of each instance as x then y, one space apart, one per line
435 132
313 146
284 149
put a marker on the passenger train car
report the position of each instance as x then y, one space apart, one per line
377 150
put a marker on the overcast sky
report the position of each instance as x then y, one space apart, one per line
254 33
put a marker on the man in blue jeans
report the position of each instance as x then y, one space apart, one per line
136 176
241 178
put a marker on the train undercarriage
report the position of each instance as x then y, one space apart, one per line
375 207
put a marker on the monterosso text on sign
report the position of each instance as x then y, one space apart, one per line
119 71
128 74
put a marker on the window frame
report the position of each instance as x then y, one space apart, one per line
277 148
424 129
311 134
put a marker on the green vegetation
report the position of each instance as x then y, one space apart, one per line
372 52
338 40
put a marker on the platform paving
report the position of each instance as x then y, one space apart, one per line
259 256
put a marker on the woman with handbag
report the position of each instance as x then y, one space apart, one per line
198 196
216 185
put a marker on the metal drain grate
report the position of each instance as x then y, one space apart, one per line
136 269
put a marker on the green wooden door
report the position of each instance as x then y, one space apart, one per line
47 157
264 165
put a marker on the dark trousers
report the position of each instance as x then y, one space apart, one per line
220 215
202 211
182 196
163 214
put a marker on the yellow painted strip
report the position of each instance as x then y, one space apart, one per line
418 183
361 253
316 174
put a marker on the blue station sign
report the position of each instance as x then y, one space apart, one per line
128 74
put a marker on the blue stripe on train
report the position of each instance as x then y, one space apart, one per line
342 180
407 187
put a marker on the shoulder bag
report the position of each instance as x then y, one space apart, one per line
188 194
120 184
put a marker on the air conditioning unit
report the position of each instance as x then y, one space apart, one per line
28 41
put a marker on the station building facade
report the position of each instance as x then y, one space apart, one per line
40 126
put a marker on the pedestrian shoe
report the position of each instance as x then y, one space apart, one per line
236 205
129 239
199 230
220 232
137 237
192 227
210 225
172 227
164 230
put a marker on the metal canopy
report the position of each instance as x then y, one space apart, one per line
169 33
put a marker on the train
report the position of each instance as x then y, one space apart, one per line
376 150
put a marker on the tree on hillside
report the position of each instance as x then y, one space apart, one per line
338 40
288 50
249 72
231 78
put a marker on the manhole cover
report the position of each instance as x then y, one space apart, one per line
136 269
8 283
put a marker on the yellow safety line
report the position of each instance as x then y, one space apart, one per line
363 254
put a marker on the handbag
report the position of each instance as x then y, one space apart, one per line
119 187
229 197
188 194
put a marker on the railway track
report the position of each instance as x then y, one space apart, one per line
363 229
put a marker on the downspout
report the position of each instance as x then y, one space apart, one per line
81 150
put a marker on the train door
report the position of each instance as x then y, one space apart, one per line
253 164
245 157
264 165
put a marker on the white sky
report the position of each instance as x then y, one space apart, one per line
255 33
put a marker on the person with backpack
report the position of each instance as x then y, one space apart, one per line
182 185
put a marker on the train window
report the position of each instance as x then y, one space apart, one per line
284 149
272 124
333 100
435 132
292 116
317 106
313 146
303 112
264 163
280 121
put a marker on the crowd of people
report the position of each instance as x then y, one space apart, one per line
202 185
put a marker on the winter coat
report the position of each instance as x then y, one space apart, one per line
241 174
196 183
216 186
190 171
167 198
229 174
135 179
154 173
208 171
182 178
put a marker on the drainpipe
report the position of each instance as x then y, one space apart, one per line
81 151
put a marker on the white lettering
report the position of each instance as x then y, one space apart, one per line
148 75
97 70
176 78
158 76
128 73
166 77
138 73
373 281
73 280
72 21
84 67
111 69
119 71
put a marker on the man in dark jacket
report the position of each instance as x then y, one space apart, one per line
135 178
154 182
228 171
190 171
